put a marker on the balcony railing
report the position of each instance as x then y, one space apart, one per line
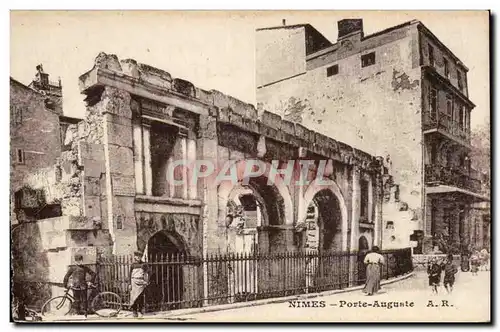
437 174
445 124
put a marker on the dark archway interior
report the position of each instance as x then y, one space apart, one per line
271 199
363 244
166 280
329 218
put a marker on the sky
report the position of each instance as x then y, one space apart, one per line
213 50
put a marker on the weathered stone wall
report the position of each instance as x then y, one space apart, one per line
35 131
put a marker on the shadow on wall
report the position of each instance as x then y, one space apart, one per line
29 267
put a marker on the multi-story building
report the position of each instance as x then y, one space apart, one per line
37 130
399 93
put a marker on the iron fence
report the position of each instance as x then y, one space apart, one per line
181 281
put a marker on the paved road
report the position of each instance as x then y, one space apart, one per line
470 301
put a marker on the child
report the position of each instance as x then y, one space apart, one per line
434 273
449 273
474 263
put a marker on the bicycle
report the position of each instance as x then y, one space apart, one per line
104 304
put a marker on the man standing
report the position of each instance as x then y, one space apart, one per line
139 279
78 273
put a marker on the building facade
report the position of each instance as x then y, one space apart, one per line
37 129
399 93
116 194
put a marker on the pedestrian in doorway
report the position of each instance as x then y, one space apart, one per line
373 261
434 272
79 284
449 273
139 279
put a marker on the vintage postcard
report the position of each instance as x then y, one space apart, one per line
250 166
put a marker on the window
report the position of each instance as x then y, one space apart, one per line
364 200
449 107
17 115
446 68
433 103
459 80
461 116
368 59
20 156
333 70
431 55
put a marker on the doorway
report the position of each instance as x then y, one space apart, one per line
166 288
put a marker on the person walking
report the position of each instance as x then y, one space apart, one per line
139 279
373 261
449 273
475 262
79 286
434 274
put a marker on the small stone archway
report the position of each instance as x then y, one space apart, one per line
166 280
332 211
275 206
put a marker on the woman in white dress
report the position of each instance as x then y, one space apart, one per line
373 261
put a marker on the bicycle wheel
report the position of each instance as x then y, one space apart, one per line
57 306
107 304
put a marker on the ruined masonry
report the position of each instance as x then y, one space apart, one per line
111 182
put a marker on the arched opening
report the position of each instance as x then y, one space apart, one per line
166 287
363 244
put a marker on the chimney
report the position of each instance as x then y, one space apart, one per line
349 27
284 22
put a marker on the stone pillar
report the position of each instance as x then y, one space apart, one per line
180 154
138 157
378 218
214 229
148 172
191 158
355 209
119 169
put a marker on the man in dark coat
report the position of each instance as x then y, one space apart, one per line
78 273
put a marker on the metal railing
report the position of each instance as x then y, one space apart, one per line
451 176
444 123
181 281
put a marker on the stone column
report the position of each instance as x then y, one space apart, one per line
138 156
191 158
119 169
355 209
148 174
180 154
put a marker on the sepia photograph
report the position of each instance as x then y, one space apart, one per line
250 166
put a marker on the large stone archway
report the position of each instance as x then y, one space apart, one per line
331 209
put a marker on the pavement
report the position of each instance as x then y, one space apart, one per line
409 300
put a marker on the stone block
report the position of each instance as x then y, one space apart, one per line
129 67
121 160
91 186
90 151
92 207
224 115
115 101
204 96
89 254
93 168
155 76
220 99
207 127
123 185
107 61
251 124
272 120
236 120
288 127
120 134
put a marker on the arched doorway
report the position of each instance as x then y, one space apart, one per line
166 287
324 234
